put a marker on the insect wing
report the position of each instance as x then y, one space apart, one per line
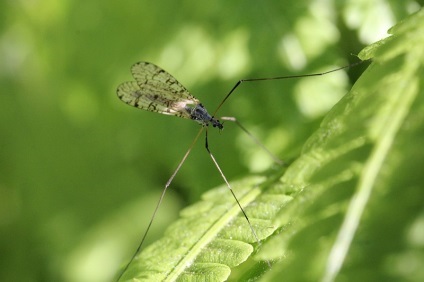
156 90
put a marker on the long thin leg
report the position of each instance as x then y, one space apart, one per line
160 201
232 192
280 77
256 140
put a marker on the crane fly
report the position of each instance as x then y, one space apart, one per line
155 90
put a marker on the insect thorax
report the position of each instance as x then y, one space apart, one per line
200 114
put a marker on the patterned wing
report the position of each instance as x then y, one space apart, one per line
157 91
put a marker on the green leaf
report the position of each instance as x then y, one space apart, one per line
211 237
360 215
349 208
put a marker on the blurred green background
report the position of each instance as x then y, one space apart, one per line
80 171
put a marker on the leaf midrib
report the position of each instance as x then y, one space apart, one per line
383 143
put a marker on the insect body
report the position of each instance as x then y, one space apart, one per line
155 90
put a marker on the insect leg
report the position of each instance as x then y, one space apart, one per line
231 190
168 183
256 140
281 77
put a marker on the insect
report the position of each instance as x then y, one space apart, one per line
156 90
